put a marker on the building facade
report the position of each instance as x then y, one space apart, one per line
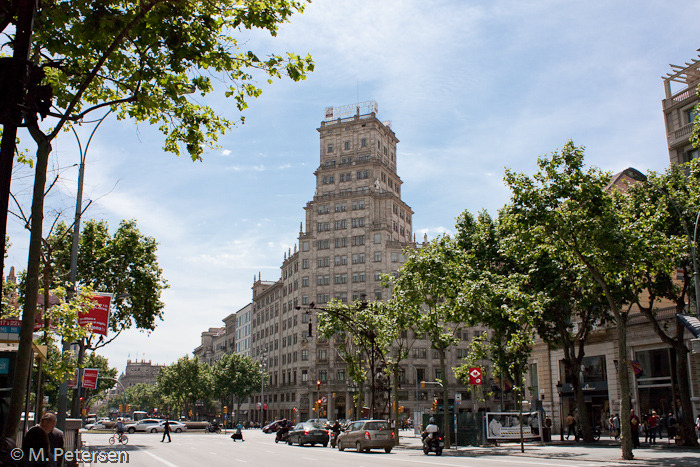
355 229
680 110
137 372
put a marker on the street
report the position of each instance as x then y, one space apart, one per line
196 449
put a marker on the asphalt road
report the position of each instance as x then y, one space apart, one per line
196 449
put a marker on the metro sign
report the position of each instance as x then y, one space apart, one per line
474 375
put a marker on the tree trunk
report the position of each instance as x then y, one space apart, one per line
23 363
445 399
583 423
685 418
395 405
623 378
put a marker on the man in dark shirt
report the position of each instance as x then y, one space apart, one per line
36 444
166 431
634 424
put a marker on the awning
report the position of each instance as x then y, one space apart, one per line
691 323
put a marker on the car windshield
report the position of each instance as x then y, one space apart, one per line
313 426
377 426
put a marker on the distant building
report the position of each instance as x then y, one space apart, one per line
138 372
211 347
242 340
679 108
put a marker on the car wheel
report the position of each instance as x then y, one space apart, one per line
358 446
438 452
179 430
387 450
132 430
153 430
325 445
289 441
340 447
301 443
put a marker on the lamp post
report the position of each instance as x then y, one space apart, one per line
263 365
561 410
635 174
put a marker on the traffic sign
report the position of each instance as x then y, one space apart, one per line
475 375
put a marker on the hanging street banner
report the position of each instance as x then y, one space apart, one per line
98 315
90 378
73 382
474 375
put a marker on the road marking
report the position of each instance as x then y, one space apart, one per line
310 458
481 459
169 464
241 460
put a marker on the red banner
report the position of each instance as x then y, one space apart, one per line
73 382
474 375
98 315
90 378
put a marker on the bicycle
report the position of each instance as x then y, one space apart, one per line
118 438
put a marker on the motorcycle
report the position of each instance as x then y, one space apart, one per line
333 438
435 444
595 431
213 429
281 435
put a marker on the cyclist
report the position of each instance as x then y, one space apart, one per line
120 428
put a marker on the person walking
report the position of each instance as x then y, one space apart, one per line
571 423
616 426
652 424
36 445
166 431
634 423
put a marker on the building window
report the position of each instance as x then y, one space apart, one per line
394 257
304 281
305 247
304 299
358 240
340 375
420 353
304 355
322 355
377 257
323 375
364 142
377 294
347 145
304 376
330 148
305 264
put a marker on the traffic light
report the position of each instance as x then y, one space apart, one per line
434 405
225 409
121 408
128 407
190 413
318 385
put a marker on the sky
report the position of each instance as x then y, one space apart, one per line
470 87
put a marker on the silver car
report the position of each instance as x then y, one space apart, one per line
149 425
364 435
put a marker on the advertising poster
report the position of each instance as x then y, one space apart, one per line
98 315
505 425
90 378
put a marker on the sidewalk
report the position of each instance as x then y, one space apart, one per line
605 450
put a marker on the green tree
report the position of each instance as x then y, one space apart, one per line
145 397
124 264
493 293
185 382
140 58
568 209
362 336
235 376
427 290
665 207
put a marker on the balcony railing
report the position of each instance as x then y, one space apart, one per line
681 135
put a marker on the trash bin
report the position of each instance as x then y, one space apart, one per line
547 434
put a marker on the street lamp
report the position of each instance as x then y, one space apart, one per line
635 174
263 365
561 410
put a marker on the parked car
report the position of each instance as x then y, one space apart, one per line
96 426
149 425
364 435
177 427
308 433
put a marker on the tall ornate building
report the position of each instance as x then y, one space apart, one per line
356 227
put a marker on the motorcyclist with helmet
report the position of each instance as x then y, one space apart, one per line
431 431
282 430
